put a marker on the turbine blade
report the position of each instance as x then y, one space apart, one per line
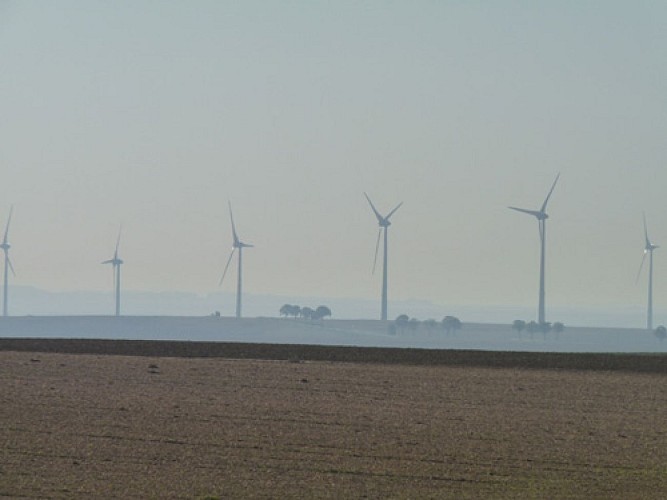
641 266
377 247
534 213
377 214
11 266
393 211
229 260
115 254
231 216
546 200
110 261
647 241
9 219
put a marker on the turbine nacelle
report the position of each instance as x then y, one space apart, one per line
114 262
8 263
115 268
649 246
535 213
540 214
5 245
237 242
240 245
648 249
383 221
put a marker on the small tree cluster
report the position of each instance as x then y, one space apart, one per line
533 326
305 312
660 333
430 324
290 310
403 322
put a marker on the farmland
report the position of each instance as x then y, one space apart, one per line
88 425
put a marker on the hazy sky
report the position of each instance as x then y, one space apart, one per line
154 114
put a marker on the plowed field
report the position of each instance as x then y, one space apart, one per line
116 426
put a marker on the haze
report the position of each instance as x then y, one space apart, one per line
154 115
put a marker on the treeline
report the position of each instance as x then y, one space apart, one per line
306 312
403 323
533 327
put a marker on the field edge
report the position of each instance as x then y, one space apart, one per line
641 363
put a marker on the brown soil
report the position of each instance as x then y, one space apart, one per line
156 426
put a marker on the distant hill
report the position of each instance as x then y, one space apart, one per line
26 300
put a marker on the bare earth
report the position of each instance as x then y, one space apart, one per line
102 426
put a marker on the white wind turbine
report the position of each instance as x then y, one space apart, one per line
541 216
8 263
383 222
237 244
648 249
116 263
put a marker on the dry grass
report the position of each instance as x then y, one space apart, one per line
92 426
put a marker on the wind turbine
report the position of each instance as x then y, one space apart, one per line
541 216
384 225
8 263
648 249
238 244
116 263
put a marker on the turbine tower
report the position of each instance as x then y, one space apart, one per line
648 249
541 216
8 263
116 263
238 244
384 224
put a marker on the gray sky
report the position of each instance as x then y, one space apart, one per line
154 114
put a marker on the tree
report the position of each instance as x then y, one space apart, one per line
413 324
545 328
430 323
290 310
558 327
661 333
451 324
321 312
532 327
306 312
519 325
401 322
286 310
